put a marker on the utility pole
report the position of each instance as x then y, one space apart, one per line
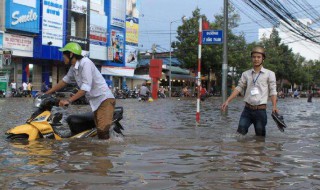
225 52
153 50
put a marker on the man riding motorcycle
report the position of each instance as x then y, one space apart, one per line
91 84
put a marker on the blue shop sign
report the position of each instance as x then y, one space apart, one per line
23 15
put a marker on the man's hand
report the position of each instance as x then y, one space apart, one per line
224 106
63 103
234 94
275 109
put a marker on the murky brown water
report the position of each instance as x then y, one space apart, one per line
165 149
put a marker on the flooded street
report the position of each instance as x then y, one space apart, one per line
165 149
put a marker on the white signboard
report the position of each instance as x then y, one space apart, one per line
98 36
52 22
20 45
118 13
131 56
110 53
98 28
29 3
79 6
96 1
117 71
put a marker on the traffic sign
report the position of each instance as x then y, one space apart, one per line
212 36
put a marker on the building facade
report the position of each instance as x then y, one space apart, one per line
32 32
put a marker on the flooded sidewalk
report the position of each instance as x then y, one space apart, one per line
164 148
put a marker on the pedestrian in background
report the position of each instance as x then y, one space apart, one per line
29 88
25 89
259 84
203 92
144 92
310 95
13 86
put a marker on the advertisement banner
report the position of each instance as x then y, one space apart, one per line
79 6
98 36
98 29
132 30
52 22
133 8
110 53
117 42
131 56
23 15
79 24
20 45
118 13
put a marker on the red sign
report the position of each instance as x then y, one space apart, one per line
155 69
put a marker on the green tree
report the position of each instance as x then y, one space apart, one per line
281 59
186 46
314 70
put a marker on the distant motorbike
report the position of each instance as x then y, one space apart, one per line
44 124
161 95
2 94
144 98
19 92
131 94
119 94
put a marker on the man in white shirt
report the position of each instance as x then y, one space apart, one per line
13 85
259 84
91 84
24 88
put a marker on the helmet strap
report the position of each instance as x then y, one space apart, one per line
70 58
260 63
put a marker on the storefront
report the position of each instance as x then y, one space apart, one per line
117 75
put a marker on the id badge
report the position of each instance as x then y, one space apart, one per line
254 91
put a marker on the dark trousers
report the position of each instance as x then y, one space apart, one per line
256 117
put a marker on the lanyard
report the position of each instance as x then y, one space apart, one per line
255 80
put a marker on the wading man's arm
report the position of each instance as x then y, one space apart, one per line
274 103
234 94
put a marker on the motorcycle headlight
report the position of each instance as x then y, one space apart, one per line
37 102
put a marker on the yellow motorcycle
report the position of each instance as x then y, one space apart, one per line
44 124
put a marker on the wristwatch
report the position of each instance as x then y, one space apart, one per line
69 101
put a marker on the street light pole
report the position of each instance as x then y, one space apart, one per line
170 54
170 63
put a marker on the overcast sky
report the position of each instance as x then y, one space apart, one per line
156 15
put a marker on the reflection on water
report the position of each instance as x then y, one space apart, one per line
164 148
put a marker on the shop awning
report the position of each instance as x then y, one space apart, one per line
177 70
182 77
117 71
140 77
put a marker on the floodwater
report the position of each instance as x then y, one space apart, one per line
165 149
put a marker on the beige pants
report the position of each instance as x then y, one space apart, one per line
103 117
